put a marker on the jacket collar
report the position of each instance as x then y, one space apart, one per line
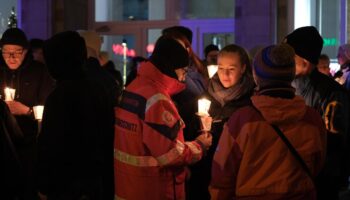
170 85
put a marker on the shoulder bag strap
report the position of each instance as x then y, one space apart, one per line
292 150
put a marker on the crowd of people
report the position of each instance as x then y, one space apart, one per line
277 126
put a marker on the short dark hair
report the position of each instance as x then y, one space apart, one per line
209 48
324 57
36 43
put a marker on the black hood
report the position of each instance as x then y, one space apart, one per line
65 55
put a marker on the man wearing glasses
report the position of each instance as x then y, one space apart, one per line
32 84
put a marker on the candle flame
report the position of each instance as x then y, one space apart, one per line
212 69
203 106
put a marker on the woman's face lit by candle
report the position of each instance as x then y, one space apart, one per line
230 69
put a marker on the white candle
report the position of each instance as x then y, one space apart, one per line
212 69
203 106
9 94
38 112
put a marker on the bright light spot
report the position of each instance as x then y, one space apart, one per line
334 66
119 50
131 53
302 13
150 48
330 42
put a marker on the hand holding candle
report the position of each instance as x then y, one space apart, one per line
203 107
9 94
206 123
203 113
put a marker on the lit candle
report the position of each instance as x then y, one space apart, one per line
38 112
9 94
212 69
203 107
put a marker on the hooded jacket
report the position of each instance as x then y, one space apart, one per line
149 148
251 160
75 147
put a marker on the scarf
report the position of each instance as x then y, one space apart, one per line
224 95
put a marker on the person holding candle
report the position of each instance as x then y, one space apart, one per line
253 160
229 89
32 84
149 150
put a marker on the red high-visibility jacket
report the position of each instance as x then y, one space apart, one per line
150 153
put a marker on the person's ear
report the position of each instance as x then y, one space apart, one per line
307 66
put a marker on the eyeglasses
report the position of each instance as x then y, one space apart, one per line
15 54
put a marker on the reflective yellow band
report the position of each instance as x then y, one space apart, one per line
173 154
149 161
138 161
154 99
329 116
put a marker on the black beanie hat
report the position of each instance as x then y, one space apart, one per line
307 43
14 36
168 55
209 48
274 67
179 29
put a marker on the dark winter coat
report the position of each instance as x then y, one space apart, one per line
76 142
331 100
111 86
11 169
75 147
33 84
